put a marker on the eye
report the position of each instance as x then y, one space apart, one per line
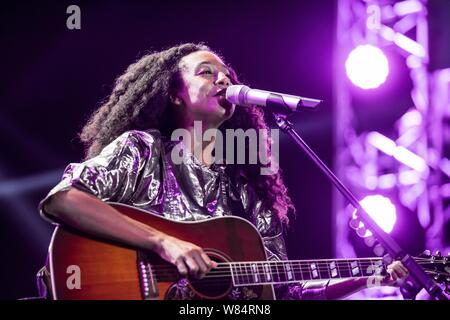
206 71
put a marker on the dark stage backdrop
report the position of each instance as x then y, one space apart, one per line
52 78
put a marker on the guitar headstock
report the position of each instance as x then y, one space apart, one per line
437 266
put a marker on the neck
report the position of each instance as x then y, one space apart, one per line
199 147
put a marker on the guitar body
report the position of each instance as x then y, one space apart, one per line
84 267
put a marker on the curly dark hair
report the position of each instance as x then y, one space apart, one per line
140 100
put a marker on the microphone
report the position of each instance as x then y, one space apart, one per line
276 102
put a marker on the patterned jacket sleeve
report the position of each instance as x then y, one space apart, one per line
114 174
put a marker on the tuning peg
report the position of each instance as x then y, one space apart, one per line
370 241
354 223
426 254
361 231
378 250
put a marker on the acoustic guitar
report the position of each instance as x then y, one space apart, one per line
84 267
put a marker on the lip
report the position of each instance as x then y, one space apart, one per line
221 92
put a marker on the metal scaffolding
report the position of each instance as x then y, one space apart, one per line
414 166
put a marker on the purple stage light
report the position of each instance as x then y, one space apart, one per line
407 7
409 177
381 210
400 153
409 45
381 142
367 67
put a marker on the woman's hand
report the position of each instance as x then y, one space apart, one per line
187 257
395 271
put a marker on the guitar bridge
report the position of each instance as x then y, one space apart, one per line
147 279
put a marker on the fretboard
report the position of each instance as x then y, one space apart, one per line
265 272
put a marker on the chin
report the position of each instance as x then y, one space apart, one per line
228 112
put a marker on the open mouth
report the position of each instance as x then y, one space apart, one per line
221 92
223 102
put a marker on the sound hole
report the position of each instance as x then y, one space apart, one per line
217 283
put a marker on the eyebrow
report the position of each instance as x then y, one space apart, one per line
210 63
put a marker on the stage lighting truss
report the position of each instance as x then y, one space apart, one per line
414 163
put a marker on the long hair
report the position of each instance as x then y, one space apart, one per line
140 100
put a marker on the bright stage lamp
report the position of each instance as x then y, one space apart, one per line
367 67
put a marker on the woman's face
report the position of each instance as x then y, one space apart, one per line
202 95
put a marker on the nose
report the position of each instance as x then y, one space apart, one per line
223 80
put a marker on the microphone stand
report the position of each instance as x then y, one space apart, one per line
418 278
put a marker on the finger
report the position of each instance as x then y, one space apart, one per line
403 268
392 274
401 273
397 274
181 266
210 263
399 269
202 264
384 280
194 269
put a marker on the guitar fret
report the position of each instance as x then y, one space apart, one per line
248 278
344 268
299 265
348 270
262 273
275 271
354 268
234 274
255 272
324 270
248 271
338 270
267 272
281 272
243 274
334 272
288 271
371 268
309 270
361 270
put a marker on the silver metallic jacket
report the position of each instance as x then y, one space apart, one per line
137 169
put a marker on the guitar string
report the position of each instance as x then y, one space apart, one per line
228 273
292 265
302 263
228 280
248 279
277 269
222 273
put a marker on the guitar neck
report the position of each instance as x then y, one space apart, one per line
276 272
